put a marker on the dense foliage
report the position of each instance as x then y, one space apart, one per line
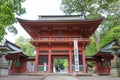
27 48
90 9
110 35
8 10
61 63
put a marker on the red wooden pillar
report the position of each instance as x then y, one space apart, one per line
15 62
49 61
14 67
86 64
70 60
84 61
25 64
36 59
97 62
107 66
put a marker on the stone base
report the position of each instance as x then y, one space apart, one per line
115 67
115 72
3 72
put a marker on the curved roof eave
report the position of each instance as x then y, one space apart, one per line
86 24
61 20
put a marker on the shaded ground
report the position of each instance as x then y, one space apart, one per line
25 77
22 77
98 78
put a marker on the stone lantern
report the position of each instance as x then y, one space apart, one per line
3 61
115 65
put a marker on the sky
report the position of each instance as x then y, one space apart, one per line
33 9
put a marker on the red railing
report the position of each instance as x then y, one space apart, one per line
103 70
60 39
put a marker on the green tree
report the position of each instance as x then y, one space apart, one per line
8 10
62 63
25 46
65 63
112 34
90 9
91 48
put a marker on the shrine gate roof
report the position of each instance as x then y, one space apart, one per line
13 51
85 27
106 51
10 46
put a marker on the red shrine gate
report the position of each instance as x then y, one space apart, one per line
53 36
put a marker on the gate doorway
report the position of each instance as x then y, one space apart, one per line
60 64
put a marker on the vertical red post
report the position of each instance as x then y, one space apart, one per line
14 68
70 60
15 62
24 68
49 60
97 62
107 66
36 59
84 61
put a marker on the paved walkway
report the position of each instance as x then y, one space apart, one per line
60 78
98 78
22 77
25 77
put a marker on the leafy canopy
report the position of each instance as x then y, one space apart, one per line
90 9
8 10
112 34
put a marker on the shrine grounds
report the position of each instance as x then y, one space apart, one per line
26 77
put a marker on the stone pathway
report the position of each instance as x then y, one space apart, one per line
22 77
60 78
26 77
98 78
